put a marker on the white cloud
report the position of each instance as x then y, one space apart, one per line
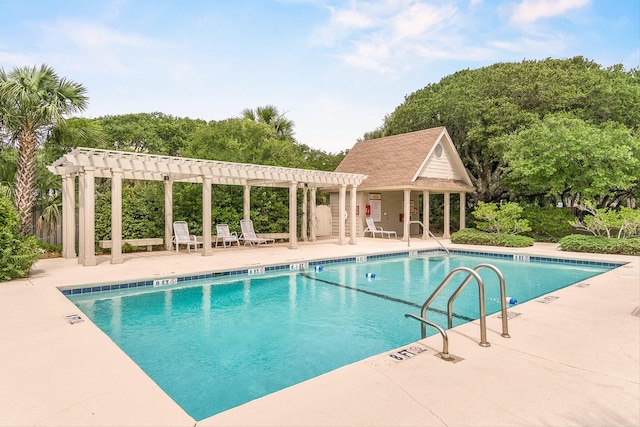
532 10
383 35
96 47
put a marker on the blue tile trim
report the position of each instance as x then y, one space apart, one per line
285 267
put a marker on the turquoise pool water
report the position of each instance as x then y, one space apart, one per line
213 344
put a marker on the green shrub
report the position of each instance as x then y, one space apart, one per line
549 223
17 254
600 245
471 236
503 219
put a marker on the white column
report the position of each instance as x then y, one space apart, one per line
246 203
81 228
89 237
463 210
447 211
352 215
116 217
305 218
341 218
312 213
407 215
425 214
206 216
68 216
293 215
168 213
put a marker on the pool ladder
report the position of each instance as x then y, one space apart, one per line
430 233
471 274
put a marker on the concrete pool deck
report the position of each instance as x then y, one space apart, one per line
572 361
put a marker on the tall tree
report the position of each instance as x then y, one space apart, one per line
270 116
32 100
482 105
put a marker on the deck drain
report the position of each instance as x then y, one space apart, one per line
73 318
547 299
582 285
636 312
510 315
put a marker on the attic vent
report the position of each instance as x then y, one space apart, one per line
438 151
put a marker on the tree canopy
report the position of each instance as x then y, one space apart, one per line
481 107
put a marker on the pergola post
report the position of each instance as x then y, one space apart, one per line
168 213
463 210
303 226
312 213
406 215
447 211
68 216
341 212
116 217
425 214
293 215
88 235
207 250
352 215
246 203
81 199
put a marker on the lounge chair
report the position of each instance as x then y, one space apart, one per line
249 235
225 236
373 229
181 236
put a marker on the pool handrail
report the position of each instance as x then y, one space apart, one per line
471 273
445 338
430 233
503 299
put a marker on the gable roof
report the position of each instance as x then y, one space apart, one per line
408 160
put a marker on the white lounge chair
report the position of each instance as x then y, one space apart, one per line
373 229
249 235
181 236
225 236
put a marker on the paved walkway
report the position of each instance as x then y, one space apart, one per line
573 361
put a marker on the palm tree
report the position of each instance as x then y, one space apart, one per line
32 101
270 116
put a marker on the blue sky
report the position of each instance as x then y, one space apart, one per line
335 67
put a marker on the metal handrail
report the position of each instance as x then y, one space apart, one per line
503 297
445 338
471 273
428 231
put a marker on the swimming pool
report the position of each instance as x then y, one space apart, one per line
216 342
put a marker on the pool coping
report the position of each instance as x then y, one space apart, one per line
83 379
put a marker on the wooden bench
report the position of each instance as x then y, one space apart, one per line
148 242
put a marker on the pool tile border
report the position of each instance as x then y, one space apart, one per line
84 289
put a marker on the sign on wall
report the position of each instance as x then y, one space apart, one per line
376 210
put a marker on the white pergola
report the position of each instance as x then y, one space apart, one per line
89 163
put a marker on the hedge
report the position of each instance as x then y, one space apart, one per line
600 245
471 236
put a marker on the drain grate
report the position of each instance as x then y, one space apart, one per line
510 315
73 318
636 312
582 285
547 299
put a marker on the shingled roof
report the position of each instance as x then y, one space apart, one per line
408 160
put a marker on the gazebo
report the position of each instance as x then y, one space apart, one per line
88 164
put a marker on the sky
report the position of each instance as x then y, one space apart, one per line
335 68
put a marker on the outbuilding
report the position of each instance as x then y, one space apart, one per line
402 173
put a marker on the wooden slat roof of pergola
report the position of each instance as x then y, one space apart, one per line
139 166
